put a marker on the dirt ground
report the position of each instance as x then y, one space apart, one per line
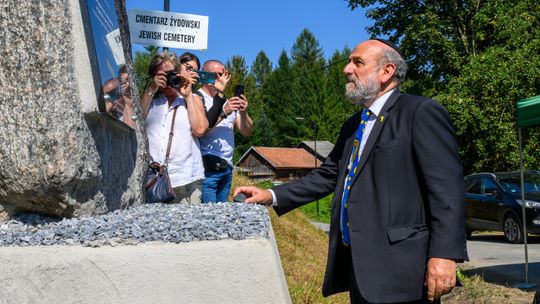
477 291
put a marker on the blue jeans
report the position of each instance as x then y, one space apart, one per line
216 186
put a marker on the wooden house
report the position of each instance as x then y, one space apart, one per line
319 148
276 164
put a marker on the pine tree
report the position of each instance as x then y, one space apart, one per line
308 84
278 101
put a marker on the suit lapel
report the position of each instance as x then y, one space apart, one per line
346 154
375 131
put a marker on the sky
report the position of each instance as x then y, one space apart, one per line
245 27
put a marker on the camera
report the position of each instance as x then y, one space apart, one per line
173 80
206 77
238 90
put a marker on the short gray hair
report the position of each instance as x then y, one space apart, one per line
207 63
393 57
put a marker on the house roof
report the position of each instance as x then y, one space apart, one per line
285 158
324 147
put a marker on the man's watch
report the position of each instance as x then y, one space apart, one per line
223 114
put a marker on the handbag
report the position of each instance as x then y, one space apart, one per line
157 183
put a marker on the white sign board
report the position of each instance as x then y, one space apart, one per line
115 43
167 29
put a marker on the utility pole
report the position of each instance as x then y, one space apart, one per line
167 8
314 126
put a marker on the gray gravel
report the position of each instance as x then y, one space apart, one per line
146 223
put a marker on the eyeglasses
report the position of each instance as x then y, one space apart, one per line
189 68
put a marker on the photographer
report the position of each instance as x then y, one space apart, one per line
118 101
191 63
169 96
218 144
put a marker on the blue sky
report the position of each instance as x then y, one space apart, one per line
245 27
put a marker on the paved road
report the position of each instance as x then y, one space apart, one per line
500 262
496 260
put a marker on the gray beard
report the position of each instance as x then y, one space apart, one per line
362 93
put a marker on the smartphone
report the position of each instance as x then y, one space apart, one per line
238 90
206 77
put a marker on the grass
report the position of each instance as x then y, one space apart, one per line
310 210
323 215
303 249
477 291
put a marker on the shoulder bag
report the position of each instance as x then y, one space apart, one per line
158 184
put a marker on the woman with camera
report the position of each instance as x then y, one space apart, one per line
169 106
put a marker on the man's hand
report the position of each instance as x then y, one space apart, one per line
440 277
233 104
221 81
243 104
255 195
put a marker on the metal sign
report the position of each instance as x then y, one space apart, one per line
166 29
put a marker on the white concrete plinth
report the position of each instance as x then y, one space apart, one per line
226 271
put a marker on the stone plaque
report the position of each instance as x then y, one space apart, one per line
60 153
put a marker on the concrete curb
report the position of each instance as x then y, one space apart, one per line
226 271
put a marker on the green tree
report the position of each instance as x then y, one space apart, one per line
140 66
482 99
236 65
335 109
437 37
278 101
261 69
264 131
478 58
308 85
239 73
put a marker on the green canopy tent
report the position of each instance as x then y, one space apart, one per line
528 115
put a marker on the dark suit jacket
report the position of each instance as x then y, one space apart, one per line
405 204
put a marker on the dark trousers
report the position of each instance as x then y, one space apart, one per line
356 296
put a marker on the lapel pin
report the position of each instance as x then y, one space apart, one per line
382 118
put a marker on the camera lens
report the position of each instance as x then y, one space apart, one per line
173 80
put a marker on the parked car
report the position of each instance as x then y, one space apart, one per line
493 202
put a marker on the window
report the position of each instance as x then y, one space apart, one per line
490 187
473 185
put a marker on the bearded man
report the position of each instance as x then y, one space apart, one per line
398 222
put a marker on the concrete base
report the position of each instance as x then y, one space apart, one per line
227 271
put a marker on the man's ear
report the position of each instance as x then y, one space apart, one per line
388 72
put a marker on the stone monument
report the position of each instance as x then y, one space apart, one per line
61 154
67 149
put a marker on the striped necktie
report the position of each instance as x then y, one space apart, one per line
353 164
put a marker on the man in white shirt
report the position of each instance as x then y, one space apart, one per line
217 145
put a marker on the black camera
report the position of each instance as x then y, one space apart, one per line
173 80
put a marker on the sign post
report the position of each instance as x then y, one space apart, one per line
166 7
166 29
